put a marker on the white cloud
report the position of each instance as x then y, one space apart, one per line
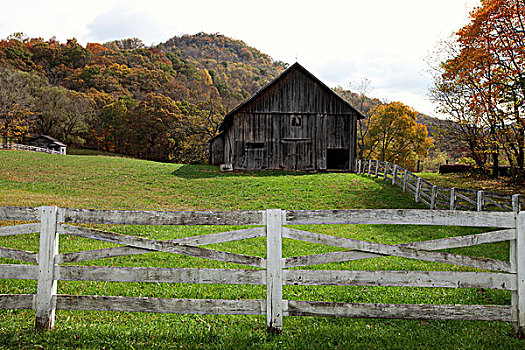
122 22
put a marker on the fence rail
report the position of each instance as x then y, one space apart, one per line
47 267
20 147
436 197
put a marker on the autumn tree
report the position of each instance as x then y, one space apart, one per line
17 91
452 98
49 102
74 118
395 136
157 128
483 82
112 128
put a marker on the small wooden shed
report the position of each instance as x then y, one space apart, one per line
44 141
296 122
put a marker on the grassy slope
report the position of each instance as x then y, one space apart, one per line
32 179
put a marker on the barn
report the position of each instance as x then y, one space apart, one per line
295 122
44 141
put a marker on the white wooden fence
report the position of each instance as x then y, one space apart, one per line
274 270
20 147
436 197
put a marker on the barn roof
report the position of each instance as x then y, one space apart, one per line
288 71
49 138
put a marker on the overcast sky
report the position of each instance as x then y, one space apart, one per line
339 41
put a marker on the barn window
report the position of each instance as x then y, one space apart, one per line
296 120
254 145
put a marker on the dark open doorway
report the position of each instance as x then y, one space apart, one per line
337 159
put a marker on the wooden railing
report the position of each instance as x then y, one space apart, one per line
20 147
274 271
436 197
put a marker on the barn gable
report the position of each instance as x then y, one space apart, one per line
295 122
296 90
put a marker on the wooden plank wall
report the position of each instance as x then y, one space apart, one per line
288 147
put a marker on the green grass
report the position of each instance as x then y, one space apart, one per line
34 179
30 179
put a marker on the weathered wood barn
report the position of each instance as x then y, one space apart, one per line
48 142
296 122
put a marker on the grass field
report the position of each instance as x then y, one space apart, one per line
31 179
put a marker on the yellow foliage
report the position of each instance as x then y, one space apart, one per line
395 136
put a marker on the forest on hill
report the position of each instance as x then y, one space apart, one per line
160 103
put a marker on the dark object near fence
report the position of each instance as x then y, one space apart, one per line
454 168
294 123
504 170
465 168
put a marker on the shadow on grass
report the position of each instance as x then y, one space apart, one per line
190 172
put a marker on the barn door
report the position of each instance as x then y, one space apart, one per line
256 155
296 155
288 155
304 155
296 142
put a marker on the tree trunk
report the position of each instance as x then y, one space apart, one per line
521 150
495 165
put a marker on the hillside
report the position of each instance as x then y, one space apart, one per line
441 130
236 70
160 103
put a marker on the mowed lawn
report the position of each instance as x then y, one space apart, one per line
32 179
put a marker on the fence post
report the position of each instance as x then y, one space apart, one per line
394 173
520 273
369 166
480 201
452 198
47 284
418 189
274 271
359 167
433 198
385 170
513 259
516 203
405 179
377 168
